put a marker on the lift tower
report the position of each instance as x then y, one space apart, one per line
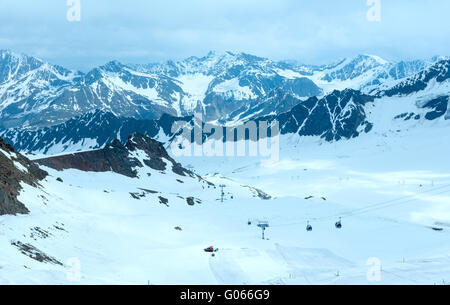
263 225
222 193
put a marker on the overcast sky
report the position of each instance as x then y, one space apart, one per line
141 31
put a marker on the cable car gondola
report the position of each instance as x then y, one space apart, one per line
339 224
308 227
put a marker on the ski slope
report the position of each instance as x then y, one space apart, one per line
391 190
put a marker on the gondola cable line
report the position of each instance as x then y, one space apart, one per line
373 207
399 203
387 203
394 203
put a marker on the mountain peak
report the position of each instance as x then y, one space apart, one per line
10 53
16 56
113 66
376 58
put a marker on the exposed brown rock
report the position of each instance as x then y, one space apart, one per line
190 200
163 200
157 153
34 253
258 193
114 157
11 176
119 158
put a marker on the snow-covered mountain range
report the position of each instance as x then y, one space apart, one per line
35 93
223 86
47 109
363 142
92 130
341 114
367 72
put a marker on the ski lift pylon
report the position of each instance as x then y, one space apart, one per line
263 225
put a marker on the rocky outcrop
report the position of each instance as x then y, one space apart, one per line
15 169
114 157
139 151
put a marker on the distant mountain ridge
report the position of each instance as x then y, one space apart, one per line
437 73
34 93
222 86
68 111
333 117
367 73
92 130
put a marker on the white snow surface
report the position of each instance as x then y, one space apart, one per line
390 187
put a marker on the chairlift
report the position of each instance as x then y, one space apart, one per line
339 223
308 227
249 222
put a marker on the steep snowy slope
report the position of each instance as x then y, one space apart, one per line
28 84
339 115
276 102
435 78
430 89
